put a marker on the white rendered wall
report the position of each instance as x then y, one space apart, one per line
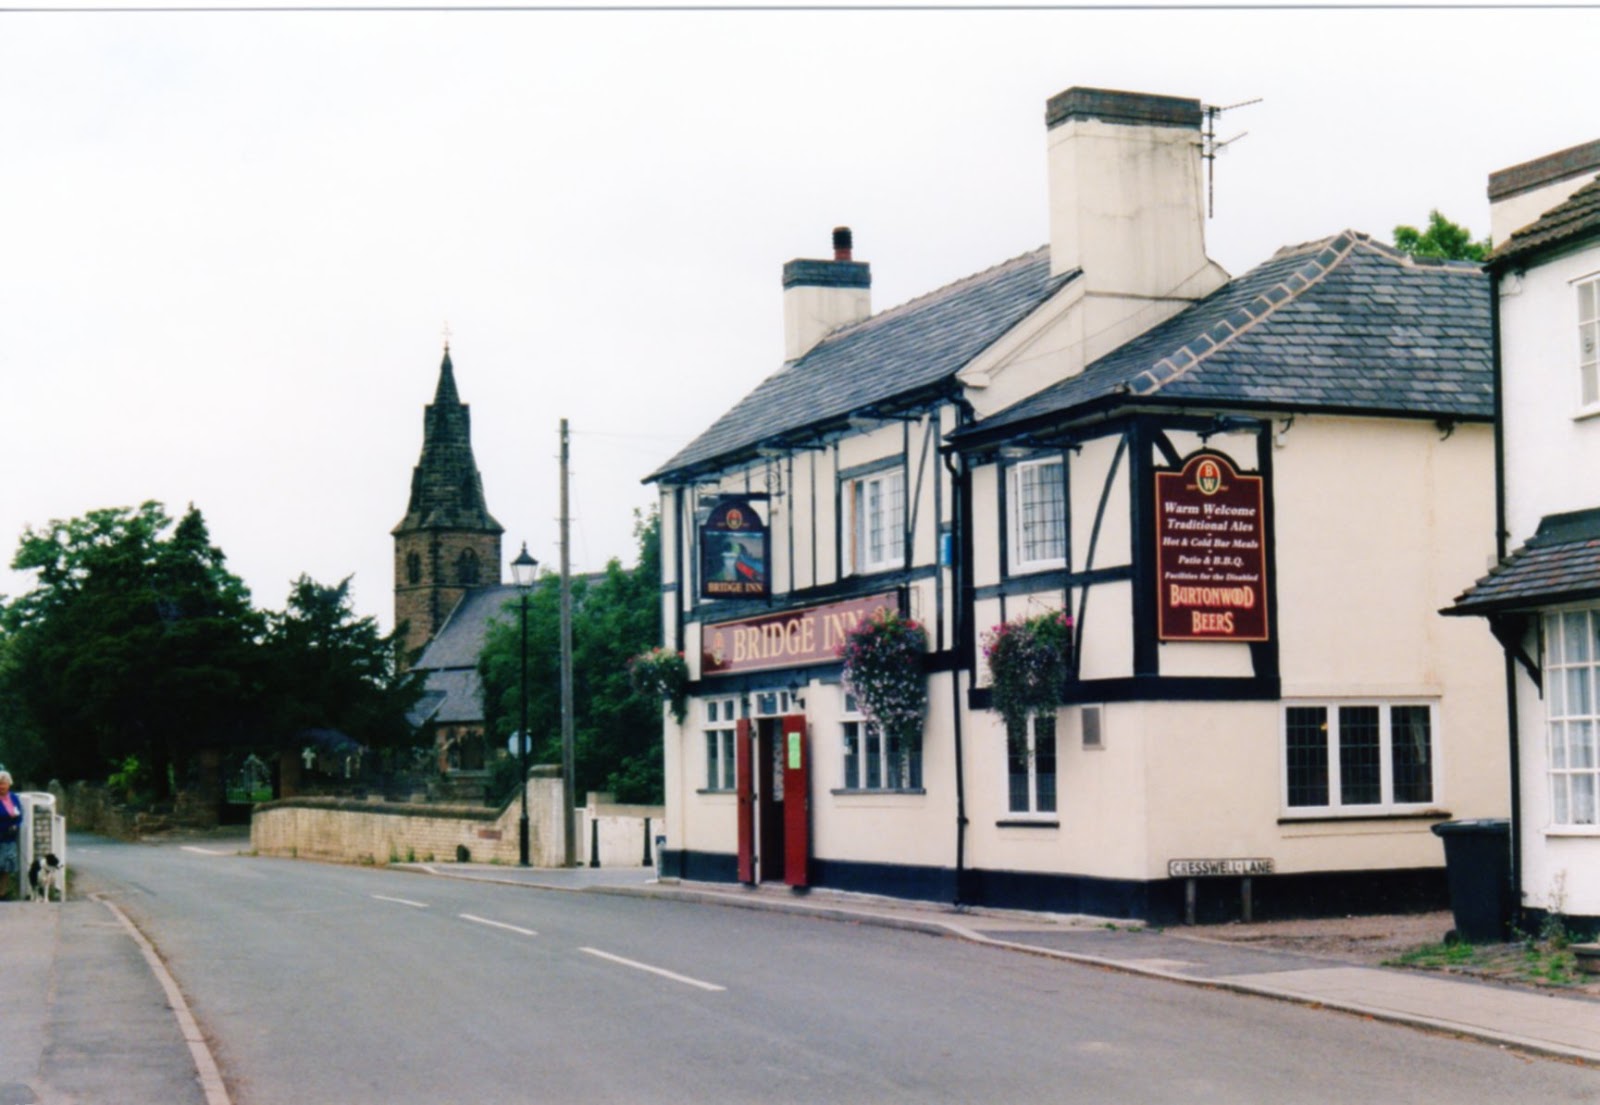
1552 447
1552 452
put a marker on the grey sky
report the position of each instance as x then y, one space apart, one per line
230 242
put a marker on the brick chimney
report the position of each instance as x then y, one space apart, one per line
821 296
1520 194
1127 195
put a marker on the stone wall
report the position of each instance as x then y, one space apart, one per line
354 831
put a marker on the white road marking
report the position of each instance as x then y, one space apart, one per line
207 851
663 972
205 1064
401 901
496 924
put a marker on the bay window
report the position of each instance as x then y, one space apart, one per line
1571 657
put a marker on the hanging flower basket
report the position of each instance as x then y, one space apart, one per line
883 669
663 673
1029 664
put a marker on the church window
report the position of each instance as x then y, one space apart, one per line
413 568
467 568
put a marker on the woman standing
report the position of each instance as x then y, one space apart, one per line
10 823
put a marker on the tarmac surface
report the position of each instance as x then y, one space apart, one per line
82 986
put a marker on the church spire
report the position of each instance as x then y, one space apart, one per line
446 488
445 394
448 543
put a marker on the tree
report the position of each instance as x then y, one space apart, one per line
616 730
136 642
328 669
1442 238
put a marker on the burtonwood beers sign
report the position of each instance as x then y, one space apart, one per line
1211 564
790 639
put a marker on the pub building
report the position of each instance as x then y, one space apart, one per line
1250 496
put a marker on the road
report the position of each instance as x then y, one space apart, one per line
348 985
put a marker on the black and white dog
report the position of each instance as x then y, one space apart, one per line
44 875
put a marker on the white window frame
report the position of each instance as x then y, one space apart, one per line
869 762
1024 510
721 729
1572 717
878 513
1034 799
1588 293
1332 726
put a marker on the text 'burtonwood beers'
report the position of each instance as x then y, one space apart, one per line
1211 562
797 637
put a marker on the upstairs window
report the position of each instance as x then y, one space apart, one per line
1037 505
1589 343
878 522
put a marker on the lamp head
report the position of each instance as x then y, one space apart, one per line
523 568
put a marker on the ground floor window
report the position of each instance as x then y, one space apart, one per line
1367 756
1031 765
872 762
721 718
1571 663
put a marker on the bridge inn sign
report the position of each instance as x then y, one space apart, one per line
1251 495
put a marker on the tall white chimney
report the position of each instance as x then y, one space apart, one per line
1127 195
821 296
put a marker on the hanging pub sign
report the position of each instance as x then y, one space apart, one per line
1211 563
733 551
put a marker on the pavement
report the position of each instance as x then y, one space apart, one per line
83 986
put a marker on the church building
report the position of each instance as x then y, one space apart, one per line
447 583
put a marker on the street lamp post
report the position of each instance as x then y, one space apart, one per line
522 571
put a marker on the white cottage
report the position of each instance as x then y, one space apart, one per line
1250 495
1542 601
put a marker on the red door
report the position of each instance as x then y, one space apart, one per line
796 802
744 784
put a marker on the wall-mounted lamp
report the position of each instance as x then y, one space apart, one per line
1282 432
797 690
1229 424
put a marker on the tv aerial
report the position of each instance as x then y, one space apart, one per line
1210 147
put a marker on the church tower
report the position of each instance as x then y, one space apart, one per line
448 542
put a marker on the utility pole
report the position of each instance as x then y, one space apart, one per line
568 774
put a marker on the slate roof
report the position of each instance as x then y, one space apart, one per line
1559 563
1344 324
452 692
1578 217
897 353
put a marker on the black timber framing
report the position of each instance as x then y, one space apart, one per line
1148 449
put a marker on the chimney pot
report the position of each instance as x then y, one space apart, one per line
821 296
843 243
